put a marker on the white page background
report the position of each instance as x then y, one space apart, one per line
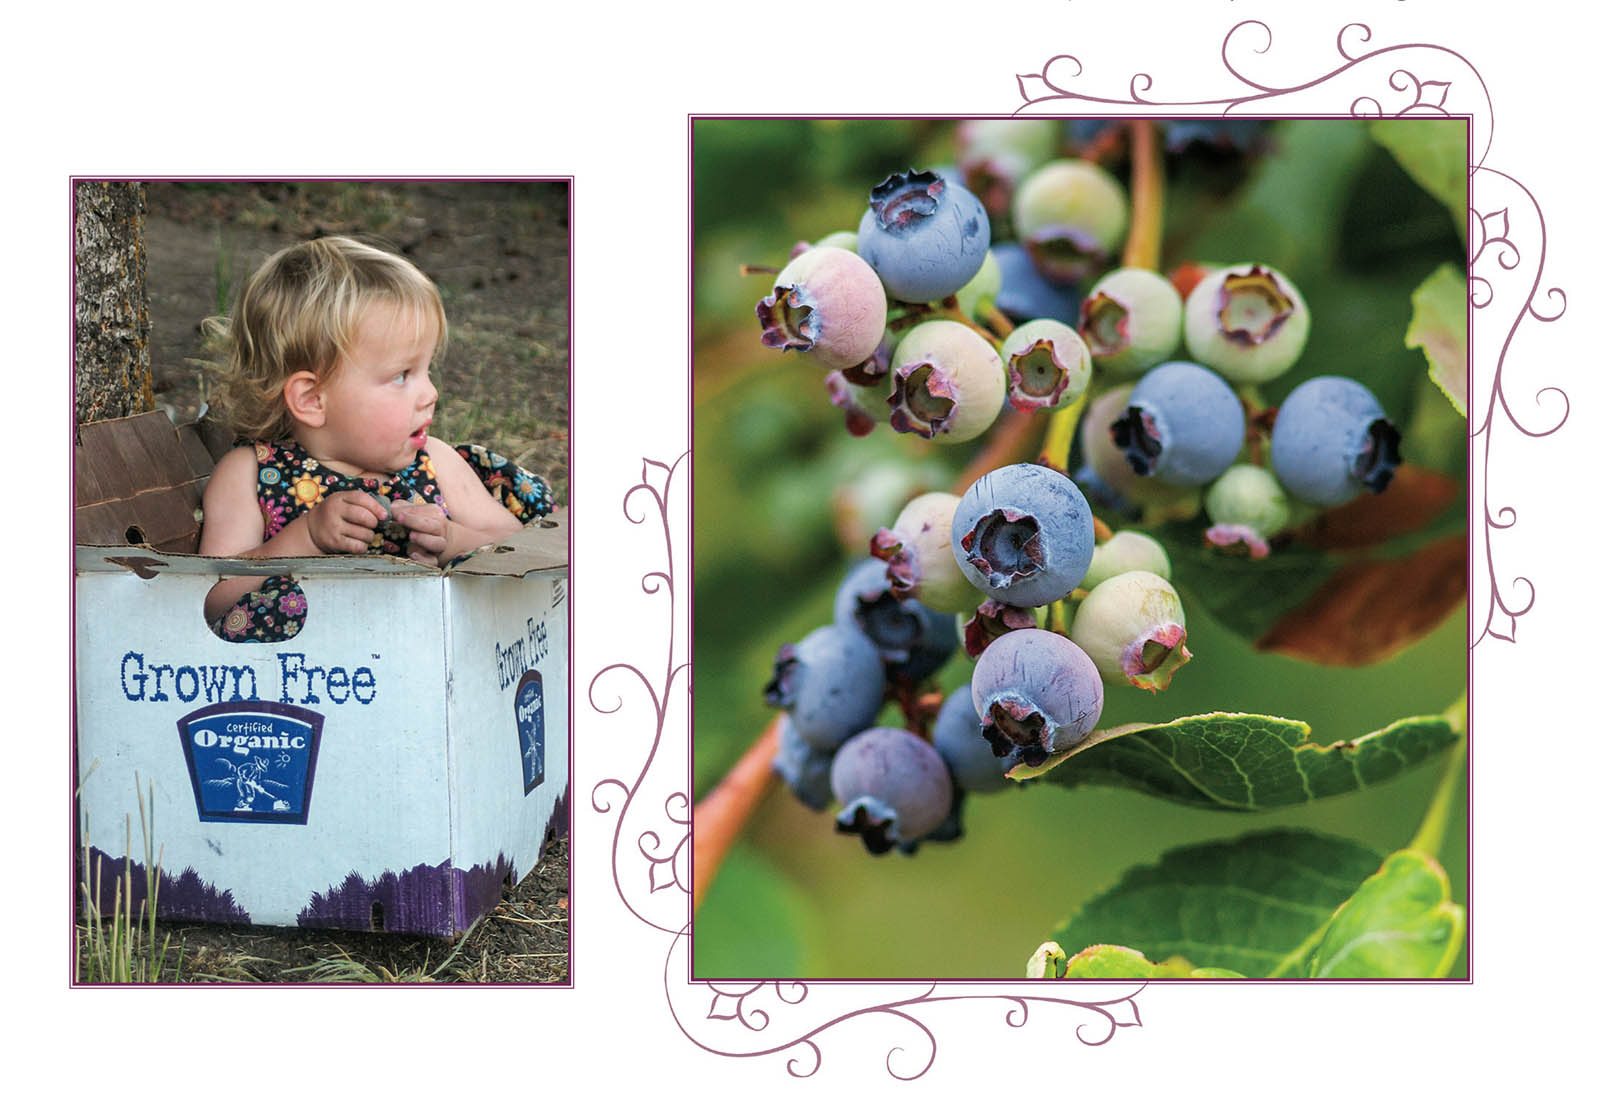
603 94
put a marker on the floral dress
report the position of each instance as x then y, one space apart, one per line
290 482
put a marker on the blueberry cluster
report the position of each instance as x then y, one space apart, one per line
955 296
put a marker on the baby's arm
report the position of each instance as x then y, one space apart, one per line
340 523
476 518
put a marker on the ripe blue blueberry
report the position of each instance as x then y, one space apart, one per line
1183 423
1047 365
803 767
892 788
958 736
1247 322
913 641
1132 628
1132 320
1024 293
1036 694
1023 534
831 682
949 383
1331 441
826 302
924 234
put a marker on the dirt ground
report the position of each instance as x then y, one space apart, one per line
499 253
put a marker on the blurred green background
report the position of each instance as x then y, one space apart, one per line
784 500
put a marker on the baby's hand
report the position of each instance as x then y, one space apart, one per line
344 522
426 526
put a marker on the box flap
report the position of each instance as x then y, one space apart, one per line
542 545
137 480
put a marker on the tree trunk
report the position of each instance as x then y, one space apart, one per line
111 374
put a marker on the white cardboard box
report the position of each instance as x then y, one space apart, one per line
391 767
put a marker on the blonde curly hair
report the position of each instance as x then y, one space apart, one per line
299 312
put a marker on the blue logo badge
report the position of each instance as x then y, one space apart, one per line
251 761
529 704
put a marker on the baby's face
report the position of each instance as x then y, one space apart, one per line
379 400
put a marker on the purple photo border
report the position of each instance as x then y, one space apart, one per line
751 1019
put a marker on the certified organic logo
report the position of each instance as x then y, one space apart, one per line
529 705
251 761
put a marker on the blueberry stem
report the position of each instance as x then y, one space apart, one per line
756 270
720 817
1006 442
1058 434
1147 198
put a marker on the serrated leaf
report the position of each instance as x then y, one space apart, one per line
1240 762
1434 152
1250 905
1399 923
1121 963
1439 329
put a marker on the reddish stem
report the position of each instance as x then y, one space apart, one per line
720 817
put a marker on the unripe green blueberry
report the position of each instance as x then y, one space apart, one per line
1123 552
864 405
1071 215
949 383
981 289
1132 628
1132 320
844 240
922 565
1247 506
1246 322
1047 365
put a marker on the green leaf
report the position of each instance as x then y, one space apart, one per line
1251 905
1120 962
1439 329
1399 923
1242 762
1434 152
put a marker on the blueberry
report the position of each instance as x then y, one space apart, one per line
1024 294
1023 534
1123 552
995 154
1047 365
958 736
831 682
949 383
803 767
1132 628
1247 322
1183 424
864 406
913 641
980 292
1132 320
826 302
990 620
1331 440
1071 215
1036 694
926 236
921 564
1240 136
1247 507
892 787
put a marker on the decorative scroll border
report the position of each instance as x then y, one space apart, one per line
651 840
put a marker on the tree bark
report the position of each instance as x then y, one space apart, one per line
111 372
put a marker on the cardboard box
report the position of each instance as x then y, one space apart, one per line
393 766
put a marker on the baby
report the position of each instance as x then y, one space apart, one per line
327 377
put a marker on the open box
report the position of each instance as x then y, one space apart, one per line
393 766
